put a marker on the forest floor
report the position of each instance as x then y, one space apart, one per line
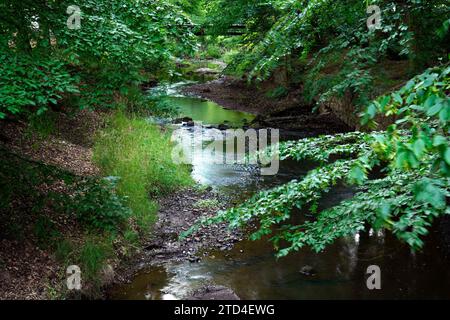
28 268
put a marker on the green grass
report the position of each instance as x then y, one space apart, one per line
42 125
64 251
140 154
230 55
93 256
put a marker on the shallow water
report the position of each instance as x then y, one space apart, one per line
209 112
251 270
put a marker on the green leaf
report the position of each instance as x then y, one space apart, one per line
357 175
434 109
447 155
439 140
426 191
419 148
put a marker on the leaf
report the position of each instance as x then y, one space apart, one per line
435 109
447 155
357 175
419 148
398 98
41 111
426 191
439 140
444 114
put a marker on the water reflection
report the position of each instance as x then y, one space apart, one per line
209 112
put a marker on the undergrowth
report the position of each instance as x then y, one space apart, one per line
138 152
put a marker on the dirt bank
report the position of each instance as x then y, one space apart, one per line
288 113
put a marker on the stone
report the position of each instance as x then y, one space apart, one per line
223 126
181 120
213 292
307 271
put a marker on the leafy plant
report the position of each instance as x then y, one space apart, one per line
32 84
97 205
42 60
414 154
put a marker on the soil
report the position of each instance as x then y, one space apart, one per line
177 214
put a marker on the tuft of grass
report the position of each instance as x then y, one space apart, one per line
42 125
207 203
131 237
93 256
277 93
139 153
64 250
230 55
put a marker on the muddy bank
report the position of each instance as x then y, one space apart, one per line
235 94
177 213
289 113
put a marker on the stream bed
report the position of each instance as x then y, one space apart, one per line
251 270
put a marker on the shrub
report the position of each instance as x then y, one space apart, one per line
97 205
30 84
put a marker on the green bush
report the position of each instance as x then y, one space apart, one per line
97 205
30 84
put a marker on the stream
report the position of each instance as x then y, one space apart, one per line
251 270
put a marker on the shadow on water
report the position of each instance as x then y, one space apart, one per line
251 270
